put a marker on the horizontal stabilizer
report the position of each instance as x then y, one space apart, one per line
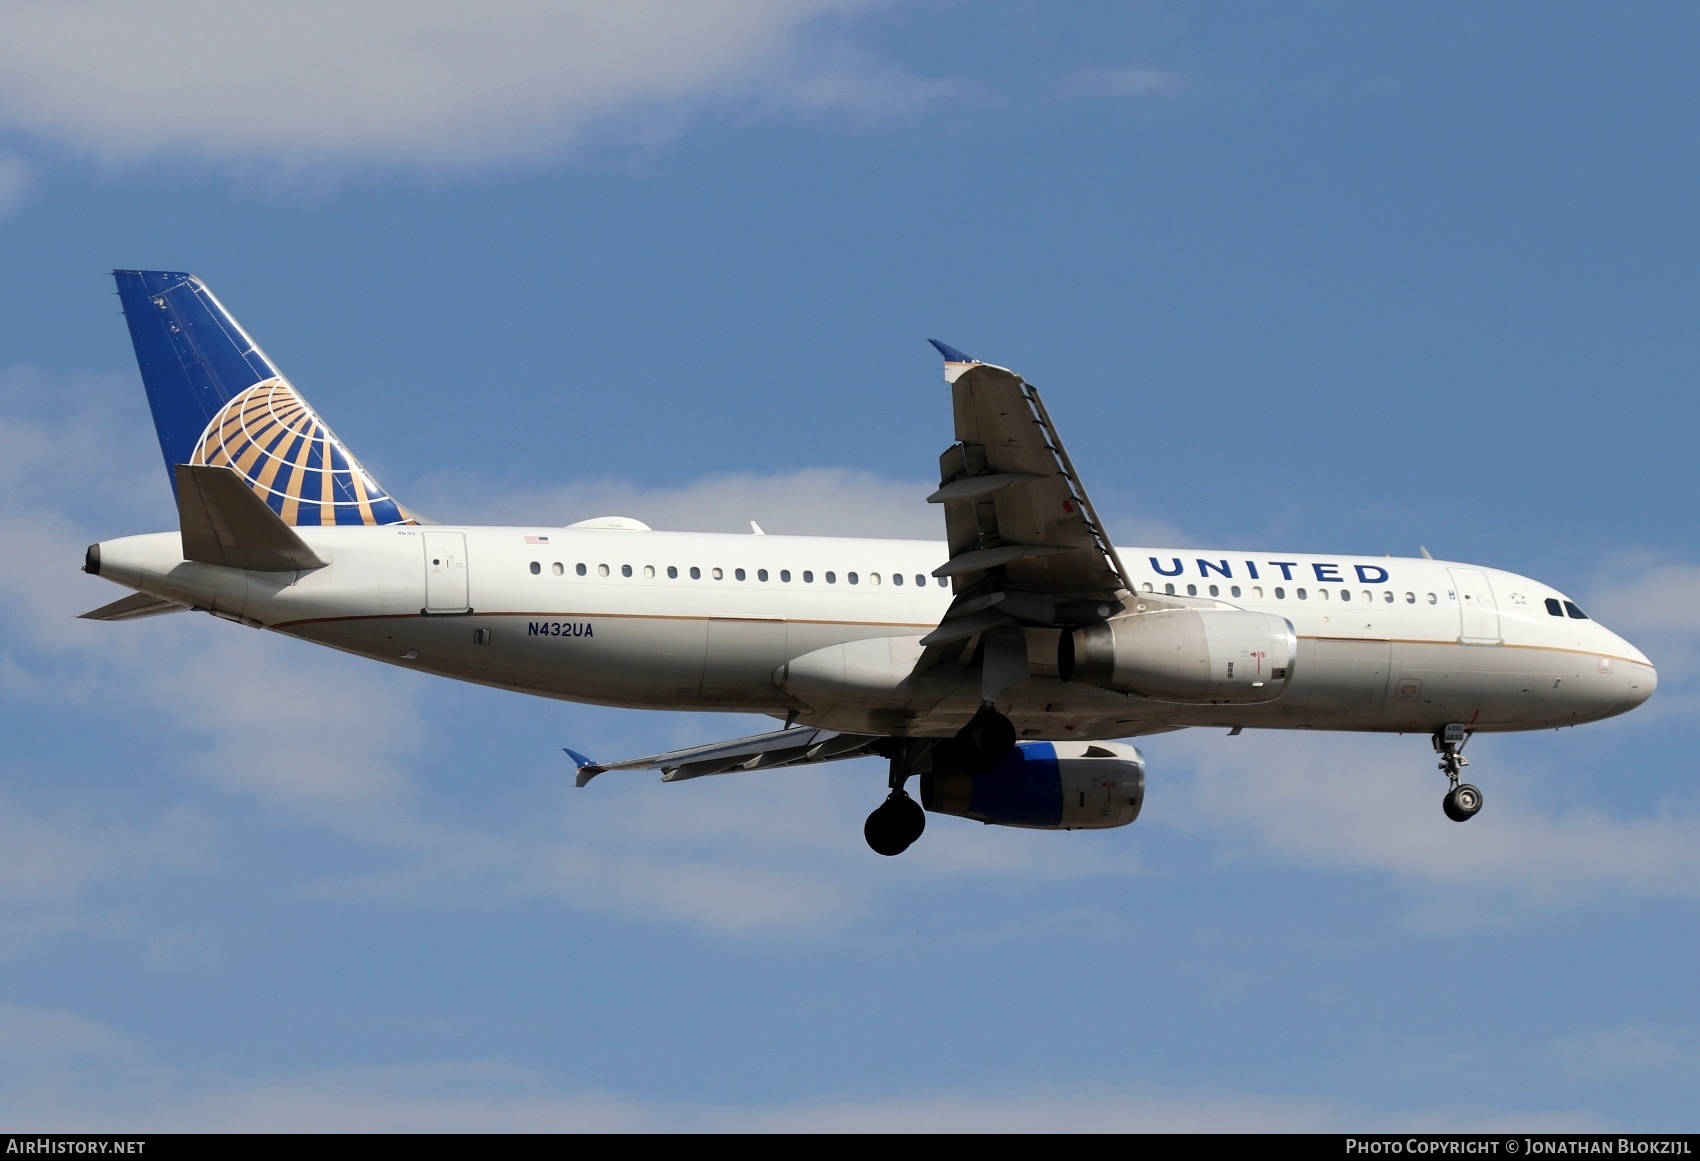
224 522
762 752
132 608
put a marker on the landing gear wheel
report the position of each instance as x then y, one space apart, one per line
987 739
895 824
1462 802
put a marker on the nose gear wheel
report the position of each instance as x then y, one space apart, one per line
1462 800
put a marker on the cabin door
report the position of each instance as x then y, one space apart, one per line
445 572
1477 610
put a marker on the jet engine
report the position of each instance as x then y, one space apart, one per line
1044 786
1193 656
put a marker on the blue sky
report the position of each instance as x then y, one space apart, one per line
1330 277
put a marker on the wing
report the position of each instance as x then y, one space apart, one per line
799 747
1026 545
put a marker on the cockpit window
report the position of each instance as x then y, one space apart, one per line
1554 607
1576 614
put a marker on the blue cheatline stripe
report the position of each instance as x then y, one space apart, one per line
1025 788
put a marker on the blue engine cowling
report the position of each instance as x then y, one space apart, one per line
1045 786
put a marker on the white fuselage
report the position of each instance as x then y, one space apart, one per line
829 629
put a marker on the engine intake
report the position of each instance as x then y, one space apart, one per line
1193 656
1044 786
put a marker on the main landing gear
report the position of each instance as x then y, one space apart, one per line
1462 801
896 823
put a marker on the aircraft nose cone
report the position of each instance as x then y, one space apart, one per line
1642 681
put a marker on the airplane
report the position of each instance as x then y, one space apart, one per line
1003 667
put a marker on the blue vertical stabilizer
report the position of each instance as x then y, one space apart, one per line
194 357
217 399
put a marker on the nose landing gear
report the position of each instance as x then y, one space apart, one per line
1462 801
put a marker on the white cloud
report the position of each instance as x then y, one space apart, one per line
429 81
1366 803
812 502
1660 610
1665 598
1133 82
16 178
1636 1050
66 1072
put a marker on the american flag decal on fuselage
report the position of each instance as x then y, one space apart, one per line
270 437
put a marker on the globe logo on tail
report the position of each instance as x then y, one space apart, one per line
270 437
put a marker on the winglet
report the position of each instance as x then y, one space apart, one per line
951 354
955 362
586 768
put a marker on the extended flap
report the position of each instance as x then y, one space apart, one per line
224 522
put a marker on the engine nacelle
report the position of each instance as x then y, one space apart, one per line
1045 786
1194 656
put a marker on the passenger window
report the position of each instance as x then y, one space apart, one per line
672 572
696 573
1192 590
785 575
717 573
808 577
738 573
1149 588
897 578
944 582
1554 607
1257 591
1433 600
1235 591
1576 614
761 574
535 567
649 570
1299 593
1410 598
831 578
1368 596
579 568
1388 596
1280 593
873 578
558 568
601 570
1169 590
1345 594
625 570
1322 594
1214 591
851 577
